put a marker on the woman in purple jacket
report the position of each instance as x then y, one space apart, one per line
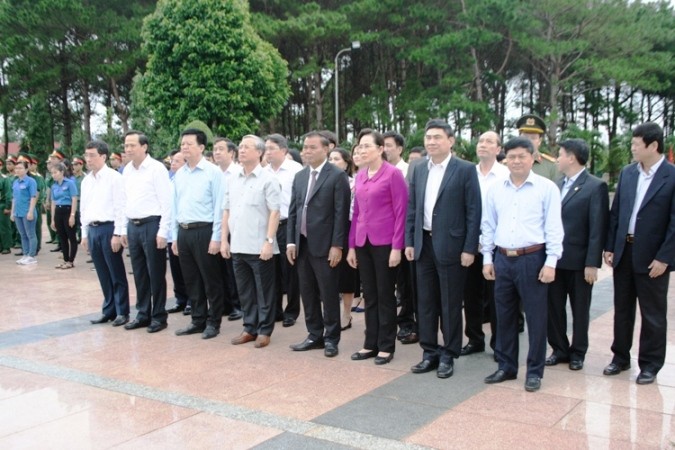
376 239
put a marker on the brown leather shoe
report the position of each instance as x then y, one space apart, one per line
262 341
243 338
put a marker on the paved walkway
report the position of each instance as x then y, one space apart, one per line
67 384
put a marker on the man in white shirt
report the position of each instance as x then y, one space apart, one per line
479 292
284 170
102 207
148 212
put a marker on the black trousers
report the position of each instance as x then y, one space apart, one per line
287 281
441 290
110 270
517 278
231 295
255 283
319 287
572 283
66 233
149 265
652 296
201 275
407 291
379 282
479 299
179 289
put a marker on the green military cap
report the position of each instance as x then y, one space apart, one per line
116 155
531 123
77 159
11 158
58 154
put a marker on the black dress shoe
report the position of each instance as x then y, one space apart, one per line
380 360
444 370
330 350
499 376
532 384
576 364
187 311
307 344
615 369
555 359
136 324
424 366
360 356
412 338
190 329
646 378
54 250
156 326
101 319
403 332
175 309
210 332
472 348
235 315
120 320
288 323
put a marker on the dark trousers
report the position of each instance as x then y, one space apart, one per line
53 235
319 287
201 275
229 286
149 265
110 270
255 283
517 278
179 289
66 233
407 291
652 296
441 290
38 226
479 299
378 281
287 281
5 232
572 283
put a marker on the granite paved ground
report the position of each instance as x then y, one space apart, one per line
67 384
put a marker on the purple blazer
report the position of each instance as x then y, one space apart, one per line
379 208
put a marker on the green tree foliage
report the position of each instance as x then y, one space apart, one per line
206 62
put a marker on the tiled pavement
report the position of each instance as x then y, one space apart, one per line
67 384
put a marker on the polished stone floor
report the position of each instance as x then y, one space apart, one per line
66 384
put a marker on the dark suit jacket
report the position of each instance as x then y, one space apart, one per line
327 210
457 212
585 213
655 226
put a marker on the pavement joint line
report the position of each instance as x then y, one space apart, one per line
296 426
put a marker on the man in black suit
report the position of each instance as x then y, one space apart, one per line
585 210
317 231
641 248
442 229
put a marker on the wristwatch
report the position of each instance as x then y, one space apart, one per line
269 240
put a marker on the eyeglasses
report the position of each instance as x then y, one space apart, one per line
366 146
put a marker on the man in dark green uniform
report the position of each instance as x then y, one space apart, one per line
78 173
5 208
533 127
16 238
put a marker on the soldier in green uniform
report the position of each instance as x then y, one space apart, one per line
5 209
16 238
78 173
533 127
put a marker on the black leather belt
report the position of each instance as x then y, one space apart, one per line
521 251
283 221
145 220
97 223
63 206
191 225
426 232
630 238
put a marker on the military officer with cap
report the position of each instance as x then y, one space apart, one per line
533 127
5 208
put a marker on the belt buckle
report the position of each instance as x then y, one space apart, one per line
184 226
511 253
136 222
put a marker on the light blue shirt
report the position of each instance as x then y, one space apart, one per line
198 196
519 217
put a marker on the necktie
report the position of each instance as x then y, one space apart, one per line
566 187
303 220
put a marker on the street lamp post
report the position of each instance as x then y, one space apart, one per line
355 45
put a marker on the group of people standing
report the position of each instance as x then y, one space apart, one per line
436 236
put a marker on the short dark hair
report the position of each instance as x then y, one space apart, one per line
324 140
278 139
332 139
199 134
440 123
418 149
174 152
400 141
142 138
650 132
100 146
295 155
577 147
21 163
519 142
377 136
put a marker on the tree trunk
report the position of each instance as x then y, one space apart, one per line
86 111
